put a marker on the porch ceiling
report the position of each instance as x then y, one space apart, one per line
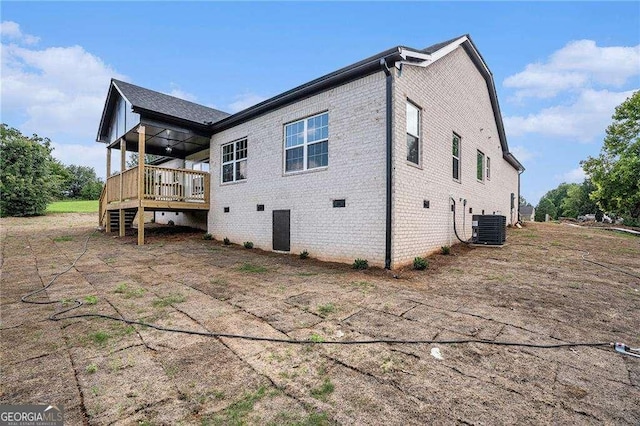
165 140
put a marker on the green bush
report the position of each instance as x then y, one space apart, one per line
207 236
248 245
360 264
446 250
226 241
420 263
26 181
304 254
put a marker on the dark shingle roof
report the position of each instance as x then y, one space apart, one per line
157 102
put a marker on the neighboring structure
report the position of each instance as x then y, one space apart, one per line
527 213
363 162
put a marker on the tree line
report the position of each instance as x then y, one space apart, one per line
30 178
613 177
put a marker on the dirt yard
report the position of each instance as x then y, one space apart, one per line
535 289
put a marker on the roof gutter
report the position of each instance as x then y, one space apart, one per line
339 77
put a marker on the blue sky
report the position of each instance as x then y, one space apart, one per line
559 68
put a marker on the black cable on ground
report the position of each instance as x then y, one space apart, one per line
56 317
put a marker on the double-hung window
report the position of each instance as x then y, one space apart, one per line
234 161
455 148
488 168
480 166
413 133
306 143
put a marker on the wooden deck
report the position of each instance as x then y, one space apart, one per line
152 189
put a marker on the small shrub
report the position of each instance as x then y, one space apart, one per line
360 264
420 263
304 254
90 300
446 250
171 223
226 241
207 236
91 368
248 245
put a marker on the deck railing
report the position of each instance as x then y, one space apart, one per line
160 184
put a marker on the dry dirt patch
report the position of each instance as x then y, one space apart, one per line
535 289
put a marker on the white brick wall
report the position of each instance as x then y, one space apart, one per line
453 96
356 172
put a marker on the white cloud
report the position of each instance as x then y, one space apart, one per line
59 90
522 153
245 101
11 30
92 155
572 176
577 65
179 93
583 120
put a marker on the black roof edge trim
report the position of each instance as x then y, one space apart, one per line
344 75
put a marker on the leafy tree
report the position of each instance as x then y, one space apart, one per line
557 195
83 183
59 179
577 202
616 171
25 173
544 207
133 159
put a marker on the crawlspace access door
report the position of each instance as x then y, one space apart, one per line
282 230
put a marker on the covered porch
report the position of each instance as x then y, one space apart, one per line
171 130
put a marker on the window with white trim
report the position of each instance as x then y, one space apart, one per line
488 168
455 152
413 133
480 166
234 161
306 143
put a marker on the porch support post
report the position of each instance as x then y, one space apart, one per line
106 179
108 163
141 148
123 163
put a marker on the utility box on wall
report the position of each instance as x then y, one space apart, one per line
489 229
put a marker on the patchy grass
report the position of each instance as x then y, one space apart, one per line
316 338
91 368
73 206
129 292
325 310
90 300
99 337
252 269
323 391
169 300
236 413
63 238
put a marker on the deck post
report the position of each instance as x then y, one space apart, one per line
123 163
107 225
108 163
141 149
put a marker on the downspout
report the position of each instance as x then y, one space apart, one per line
389 81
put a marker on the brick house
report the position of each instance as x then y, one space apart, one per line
365 162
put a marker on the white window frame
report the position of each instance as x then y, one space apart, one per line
418 136
235 161
488 167
482 167
305 144
459 157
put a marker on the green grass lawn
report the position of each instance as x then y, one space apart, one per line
73 206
